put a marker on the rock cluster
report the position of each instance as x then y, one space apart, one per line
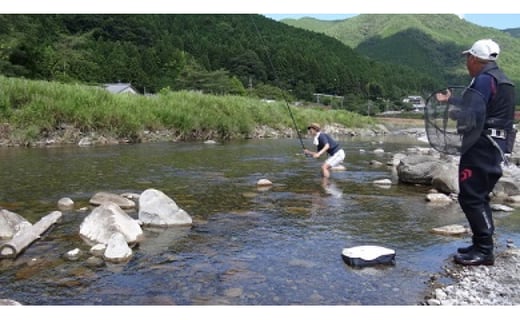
110 230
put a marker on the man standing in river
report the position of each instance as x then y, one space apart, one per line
485 118
325 144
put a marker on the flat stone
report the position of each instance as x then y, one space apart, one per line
451 230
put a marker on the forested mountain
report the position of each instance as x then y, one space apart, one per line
208 52
514 32
429 43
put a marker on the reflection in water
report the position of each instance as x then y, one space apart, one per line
331 188
247 246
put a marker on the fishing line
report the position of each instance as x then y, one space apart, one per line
277 81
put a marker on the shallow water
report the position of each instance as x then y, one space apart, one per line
280 246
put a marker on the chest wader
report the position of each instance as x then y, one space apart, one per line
480 169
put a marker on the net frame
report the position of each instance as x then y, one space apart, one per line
441 129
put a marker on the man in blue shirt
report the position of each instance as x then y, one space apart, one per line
485 119
325 144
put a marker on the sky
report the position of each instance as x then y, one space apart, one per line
498 21
500 14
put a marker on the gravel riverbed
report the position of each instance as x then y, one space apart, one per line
481 285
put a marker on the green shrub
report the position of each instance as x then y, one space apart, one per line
32 107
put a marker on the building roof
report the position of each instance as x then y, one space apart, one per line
119 88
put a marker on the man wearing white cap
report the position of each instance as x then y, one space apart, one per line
487 116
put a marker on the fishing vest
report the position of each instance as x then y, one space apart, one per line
500 112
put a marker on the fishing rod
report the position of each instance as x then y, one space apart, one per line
277 80
294 122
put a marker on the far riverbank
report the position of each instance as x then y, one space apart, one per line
38 112
69 135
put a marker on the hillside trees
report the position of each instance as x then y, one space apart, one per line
428 44
247 67
221 54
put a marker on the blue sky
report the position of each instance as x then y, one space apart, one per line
498 21
483 12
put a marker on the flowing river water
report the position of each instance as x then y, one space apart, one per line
247 246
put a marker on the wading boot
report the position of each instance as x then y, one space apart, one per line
465 249
468 248
481 253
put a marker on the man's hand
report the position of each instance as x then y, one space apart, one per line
315 155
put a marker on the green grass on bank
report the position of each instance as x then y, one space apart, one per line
31 108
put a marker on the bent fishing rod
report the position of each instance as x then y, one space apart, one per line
277 80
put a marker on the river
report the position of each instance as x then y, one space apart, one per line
247 246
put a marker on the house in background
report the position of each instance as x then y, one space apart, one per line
418 103
120 88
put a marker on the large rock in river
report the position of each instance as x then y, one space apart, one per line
445 178
107 219
429 170
157 209
417 169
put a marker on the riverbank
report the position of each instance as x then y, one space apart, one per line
32 111
479 285
70 135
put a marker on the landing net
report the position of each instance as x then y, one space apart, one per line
440 129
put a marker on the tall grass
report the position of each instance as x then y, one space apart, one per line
33 107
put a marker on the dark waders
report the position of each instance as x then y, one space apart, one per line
479 171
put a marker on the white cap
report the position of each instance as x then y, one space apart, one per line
485 49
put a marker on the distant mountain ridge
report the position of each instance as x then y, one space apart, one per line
514 32
428 43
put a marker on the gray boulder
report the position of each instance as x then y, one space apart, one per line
445 178
157 209
417 169
107 219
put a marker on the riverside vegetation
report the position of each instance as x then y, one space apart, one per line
32 110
